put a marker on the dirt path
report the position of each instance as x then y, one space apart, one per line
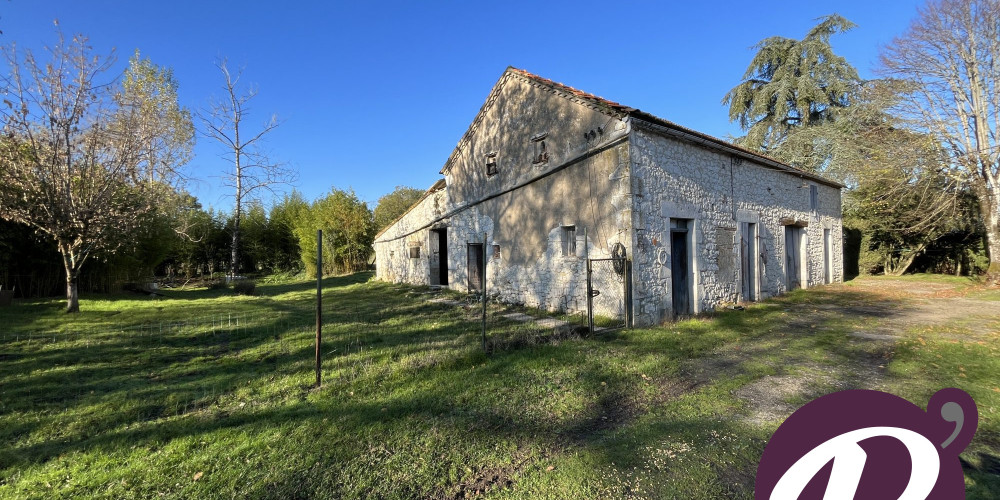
934 304
874 314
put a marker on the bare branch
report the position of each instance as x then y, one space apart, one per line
949 55
71 152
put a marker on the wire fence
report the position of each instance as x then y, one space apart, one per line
510 326
179 366
606 290
169 368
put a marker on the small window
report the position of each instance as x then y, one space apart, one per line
569 241
813 198
541 155
414 252
496 252
491 165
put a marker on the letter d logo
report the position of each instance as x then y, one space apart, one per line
869 445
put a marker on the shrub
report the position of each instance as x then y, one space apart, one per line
216 284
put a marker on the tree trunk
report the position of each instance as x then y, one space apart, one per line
899 267
72 298
72 263
234 260
903 265
989 206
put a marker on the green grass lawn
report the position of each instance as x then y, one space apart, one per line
202 394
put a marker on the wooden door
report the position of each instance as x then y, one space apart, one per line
793 259
680 281
475 267
748 260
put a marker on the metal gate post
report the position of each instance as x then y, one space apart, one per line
590 284
628 293
590 297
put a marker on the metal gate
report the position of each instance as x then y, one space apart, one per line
609 293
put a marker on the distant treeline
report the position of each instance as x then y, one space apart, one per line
187 242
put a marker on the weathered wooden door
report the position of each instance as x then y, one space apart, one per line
439 257
476 267
793 259
827 257
748 260
680 282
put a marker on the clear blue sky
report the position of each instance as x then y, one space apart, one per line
377 94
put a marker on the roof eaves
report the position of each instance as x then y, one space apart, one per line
601 103
733 148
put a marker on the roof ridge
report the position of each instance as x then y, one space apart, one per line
630 111
573 91
608 106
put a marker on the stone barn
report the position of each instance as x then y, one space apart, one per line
548 176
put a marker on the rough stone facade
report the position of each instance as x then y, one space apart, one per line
675 177
547 175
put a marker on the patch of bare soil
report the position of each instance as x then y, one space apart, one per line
976 315
614 410
769 397
889 308
489 478
934 304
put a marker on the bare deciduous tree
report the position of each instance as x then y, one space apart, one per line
71 154
949 55
251 170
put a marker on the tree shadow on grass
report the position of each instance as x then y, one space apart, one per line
407 383
310 285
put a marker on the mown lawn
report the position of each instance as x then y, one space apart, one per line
202 394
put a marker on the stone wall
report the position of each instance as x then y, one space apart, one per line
538 160
528 227
526 130
558 162
392 260
674 178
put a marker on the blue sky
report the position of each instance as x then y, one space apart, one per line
377 94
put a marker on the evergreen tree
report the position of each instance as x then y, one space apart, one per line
792 83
